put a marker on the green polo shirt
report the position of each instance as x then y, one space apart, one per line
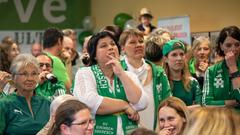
49 90
16 119
59 70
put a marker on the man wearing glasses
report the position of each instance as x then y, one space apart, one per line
48 85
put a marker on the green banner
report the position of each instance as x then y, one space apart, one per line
41 14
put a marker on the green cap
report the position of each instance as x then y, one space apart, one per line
172 45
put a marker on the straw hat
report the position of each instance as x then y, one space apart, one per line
145 12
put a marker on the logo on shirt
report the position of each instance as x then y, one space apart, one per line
218 81
17 111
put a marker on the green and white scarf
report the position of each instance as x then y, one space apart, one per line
107 124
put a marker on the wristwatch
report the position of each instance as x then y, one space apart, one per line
235 74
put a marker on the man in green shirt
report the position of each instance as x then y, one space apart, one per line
52 45
48 86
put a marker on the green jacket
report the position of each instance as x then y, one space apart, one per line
16 119
218 86
161 86
49 90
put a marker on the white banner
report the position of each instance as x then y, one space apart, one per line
179 26
25 38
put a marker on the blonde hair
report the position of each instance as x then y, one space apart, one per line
213 121
178 105
196 43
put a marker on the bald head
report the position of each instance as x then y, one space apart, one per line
36 49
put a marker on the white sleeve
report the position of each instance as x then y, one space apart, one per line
85 89
143 101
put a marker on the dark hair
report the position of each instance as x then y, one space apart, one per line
93 42
143 131
117 31
65 115
230 31
153 51
51 37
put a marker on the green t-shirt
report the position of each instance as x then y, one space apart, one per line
59 70
49 90
218 85
16 119
193 96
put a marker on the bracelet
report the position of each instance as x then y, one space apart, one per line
235 75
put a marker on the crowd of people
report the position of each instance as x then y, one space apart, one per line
139 81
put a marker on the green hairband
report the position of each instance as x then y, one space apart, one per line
172 45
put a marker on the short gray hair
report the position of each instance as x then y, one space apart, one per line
23 60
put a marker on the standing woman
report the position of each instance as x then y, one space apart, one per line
199 59
107 89
183 85
221 86
8 51
152 78
23 112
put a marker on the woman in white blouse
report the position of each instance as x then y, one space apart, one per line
113 94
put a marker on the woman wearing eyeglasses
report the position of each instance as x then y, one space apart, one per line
72 117
23 112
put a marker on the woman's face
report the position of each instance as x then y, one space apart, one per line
134 47
202 52
13 52
175 59
83 123
170 121
231 45
27 78
106 47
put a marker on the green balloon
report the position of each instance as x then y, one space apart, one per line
121 18
82 36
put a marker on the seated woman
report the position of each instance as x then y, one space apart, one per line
23 112
107 89
183 85
199 58
53 107
172 117
72 117
221 86
153 78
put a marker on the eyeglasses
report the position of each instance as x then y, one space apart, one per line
46 64
85 124
34 74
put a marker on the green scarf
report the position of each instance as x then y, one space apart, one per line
159 88
191 66
107 124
